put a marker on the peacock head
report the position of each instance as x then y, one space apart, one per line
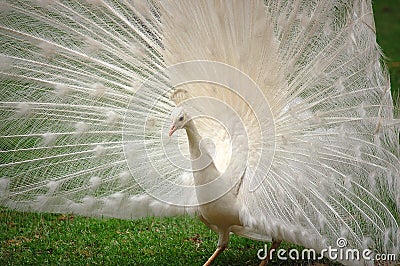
179 120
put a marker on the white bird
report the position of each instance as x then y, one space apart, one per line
289 132
222 214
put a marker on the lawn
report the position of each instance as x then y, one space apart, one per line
39 239
387 20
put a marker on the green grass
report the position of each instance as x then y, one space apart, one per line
37 239
40 239
387 20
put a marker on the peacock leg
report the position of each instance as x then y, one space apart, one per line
275 245
214 255
222 244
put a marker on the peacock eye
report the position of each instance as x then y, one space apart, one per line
180 119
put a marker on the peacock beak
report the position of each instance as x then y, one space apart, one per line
172 129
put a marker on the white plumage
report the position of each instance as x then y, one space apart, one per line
286 105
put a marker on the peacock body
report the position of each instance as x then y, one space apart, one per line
286 105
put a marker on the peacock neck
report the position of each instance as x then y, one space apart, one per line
204 170
194 139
